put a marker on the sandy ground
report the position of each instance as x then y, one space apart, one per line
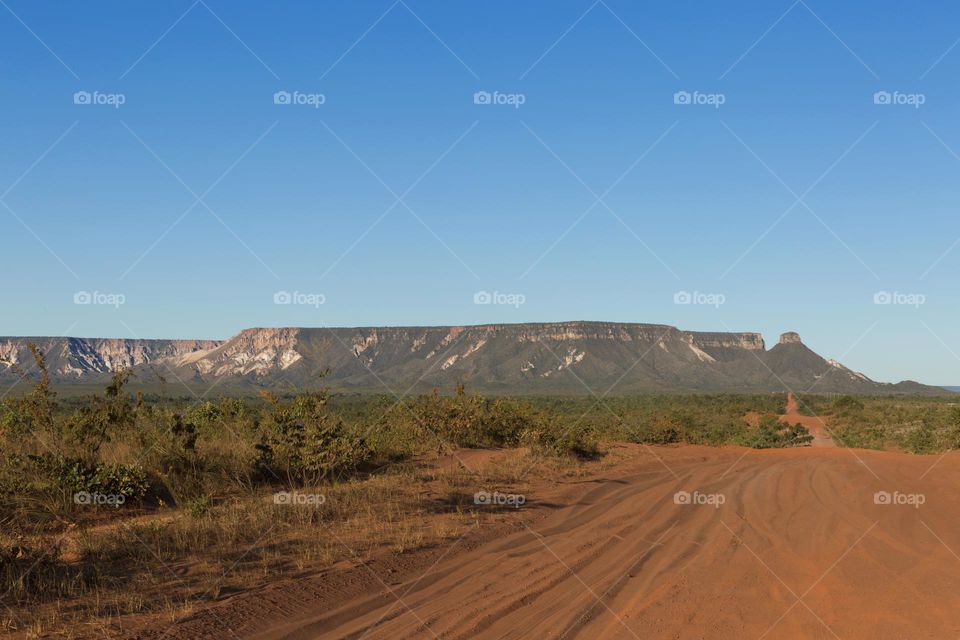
770 544
816 425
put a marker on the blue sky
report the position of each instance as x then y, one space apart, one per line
198 199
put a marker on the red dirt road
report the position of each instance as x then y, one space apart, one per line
769 544
816 425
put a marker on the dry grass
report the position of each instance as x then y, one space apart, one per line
169 562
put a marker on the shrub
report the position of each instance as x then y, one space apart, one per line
73 474
119 479
847 404
206 417
922 439
577 441
773 435
303 443
658 429
199 506
462 420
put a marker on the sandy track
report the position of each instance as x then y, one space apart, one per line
798 549
625 561
816 425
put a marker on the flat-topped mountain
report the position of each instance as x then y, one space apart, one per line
78 358
556 357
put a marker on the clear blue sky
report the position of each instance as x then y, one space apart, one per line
494 197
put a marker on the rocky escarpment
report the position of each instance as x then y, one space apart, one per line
790 337
558 357
252 351
728 346
83 357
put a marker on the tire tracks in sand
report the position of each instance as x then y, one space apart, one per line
622 559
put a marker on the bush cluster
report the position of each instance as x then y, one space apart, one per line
182 453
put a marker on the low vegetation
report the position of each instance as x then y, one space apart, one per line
91 487
913 424
772 434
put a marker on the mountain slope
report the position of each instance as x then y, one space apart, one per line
561 357
80 358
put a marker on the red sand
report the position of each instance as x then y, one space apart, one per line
816 425
798 549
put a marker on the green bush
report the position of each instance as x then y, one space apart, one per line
771 434
119 480
847 404
52 481
199 506
463 420
658 429
577 441
303 443
922 439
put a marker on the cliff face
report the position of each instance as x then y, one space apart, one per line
252 351
81 357
560 357
790 337
729 346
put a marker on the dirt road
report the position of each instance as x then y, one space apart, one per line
816 425
685 542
